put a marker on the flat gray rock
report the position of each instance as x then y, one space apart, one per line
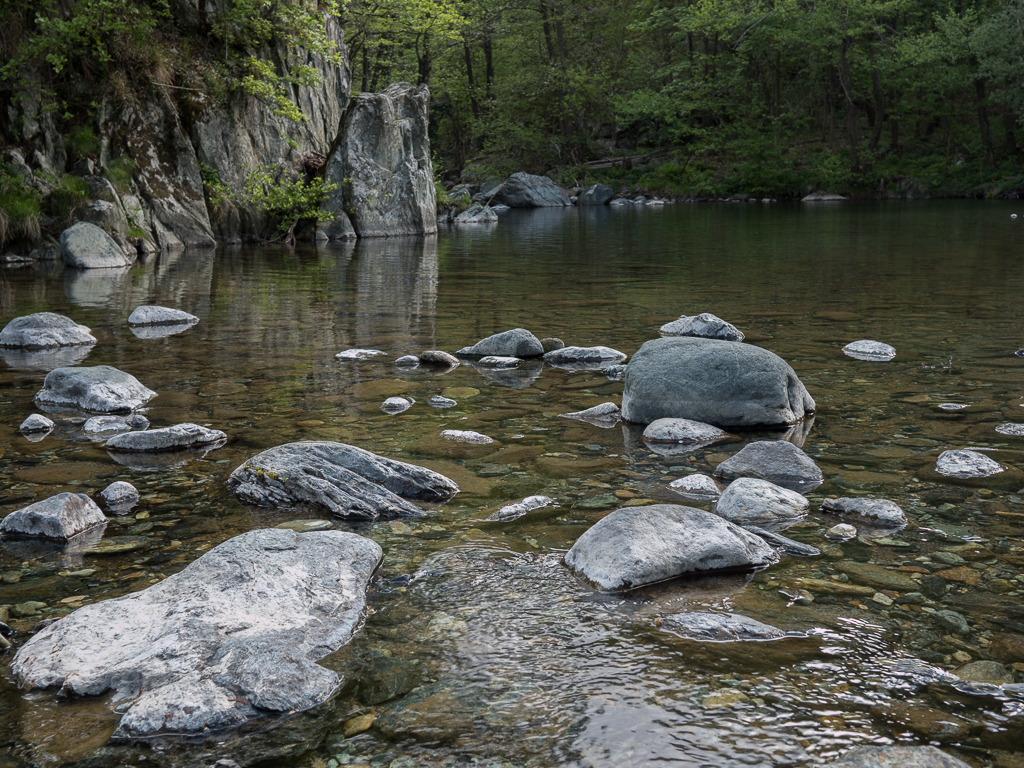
1014 430
716 382
465 436
498 361
345 480
120 495
749 500
636 546
880 512
714 627
97 388
584 358
605 414
787 545
705 325
438 358
822 197
517 342
154 315
175 438
44 330
872 351
615 372
58 517
86 246
358 354
102 427
36 423
897 757
233 636
777 461
682 431
967 464
439 401
519 508
696 488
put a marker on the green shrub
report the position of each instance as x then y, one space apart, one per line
20 209
70 193
82 142
119 174
287 201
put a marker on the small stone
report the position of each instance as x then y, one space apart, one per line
881 599
358 354
96 388
44 330
357 725
713 626
174 438
58 517
779 462
881 512
407 361
395 405
841 532
749 500
953 621
670 430
966 464
724 698
590 358
519 508
953 406
437 401
873 351
605 412
105 425
36 423
498 361
460 436
696 487
305 526
1016 430
438 358
120 494
551 343
517 342
704 325
962 656
983 672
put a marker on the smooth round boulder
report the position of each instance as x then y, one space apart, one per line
154 315
397 404
870 351
517 342
717 382
438 358
96 388
966 464
44 330
776 461
59 517
86 246
841 532
175 438
705 325
120 495
682 431
696 488
749 500
36 423
879 512
407 361
636 546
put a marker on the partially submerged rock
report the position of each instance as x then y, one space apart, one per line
120 495
897 757
704 325
358 354
966 464
460 436
525 190
397 404
407 361
44 330
822 197
598 194
154 315
841 532
233 636
86 246
517 342
59 517
343 479
713 381
615 372
439 401
102 427
98 388
584 358
683 431
477 214
777 461
749 500
520 377
605 414
519 508
551 343
175 438
36 423
438 358
872 351
715 627
637 546
879 512
498 361
1014 430
697 488
787 545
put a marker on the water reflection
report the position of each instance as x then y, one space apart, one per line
97 287
44 359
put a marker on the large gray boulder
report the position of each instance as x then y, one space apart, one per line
892 756
524 190
704 325
44 330
233 636
598 194
636 546
749 500
381 164
717 382
176 438
518 342
86 246
97 388
58 517
777 461
345 480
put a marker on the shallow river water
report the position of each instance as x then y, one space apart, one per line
481 649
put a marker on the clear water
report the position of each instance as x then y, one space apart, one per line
510 660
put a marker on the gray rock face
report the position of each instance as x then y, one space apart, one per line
682 431
86 246
99 388
967 464
590 358
518 342
36 423
881 512
345 480
438 358
44 330
58 517
897 757
175 438
358 354
696 488
105 215
381 164
749 500
636 546
776 461
524 190
704 325
598 194
714 627
717 382
477 214
153 315
120 495
604 414
519 508
871 351
234 635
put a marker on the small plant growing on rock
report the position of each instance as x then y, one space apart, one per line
287 201
20 208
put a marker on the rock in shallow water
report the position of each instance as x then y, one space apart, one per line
59 517
36 423
86 246
233 636
871 351
841 532
682 431
779 462
1014 430
464 436
438 358
175 438
395 405
343 479
44 330
880 512
696 488
358 354
120 495
604 414
519 508
154 315
517 342
716 627
716 382
897 757
498 361
749 500
966 464
636 546
105 426
99 388
578 358
704 325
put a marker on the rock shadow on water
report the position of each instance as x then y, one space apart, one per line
163 460
514 378
148 332
44 359
70 552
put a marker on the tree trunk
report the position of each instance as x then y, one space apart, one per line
876 135
981 91
469 79
851 109
489 64
1009 134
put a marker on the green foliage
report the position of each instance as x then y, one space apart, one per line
217 193
119 173
287 201
998 43
82 142
137 232
69 194
20 208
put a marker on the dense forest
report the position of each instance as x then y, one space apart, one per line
688 97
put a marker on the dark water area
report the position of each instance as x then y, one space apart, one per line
481 648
